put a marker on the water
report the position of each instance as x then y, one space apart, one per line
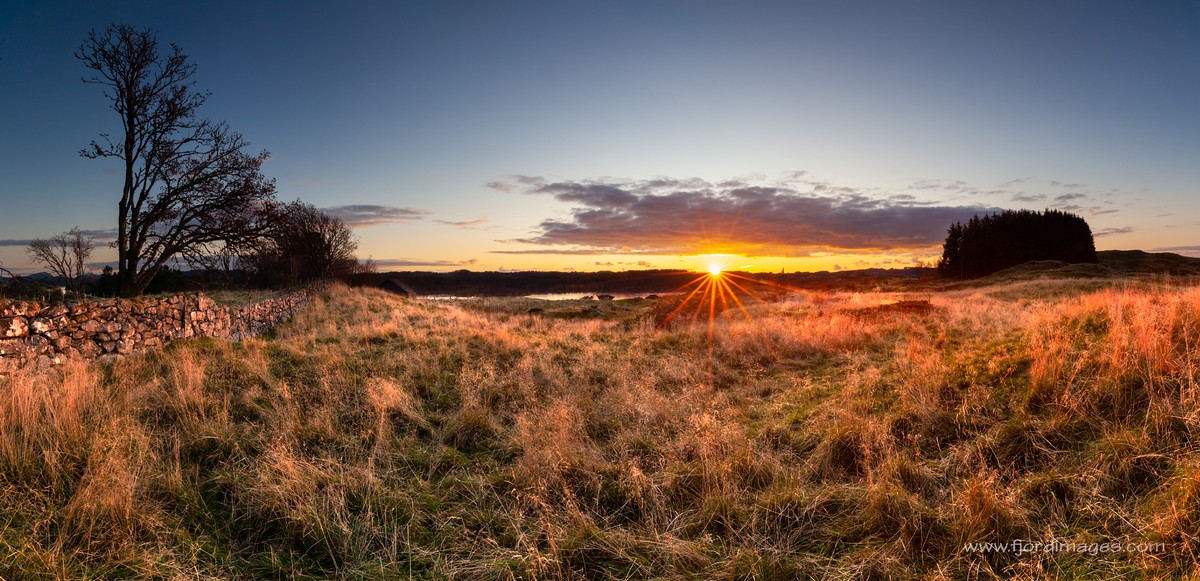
578 296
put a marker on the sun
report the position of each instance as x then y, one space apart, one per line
714 270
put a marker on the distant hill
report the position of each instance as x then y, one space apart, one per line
1111 264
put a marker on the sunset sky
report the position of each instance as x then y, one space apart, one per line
616 135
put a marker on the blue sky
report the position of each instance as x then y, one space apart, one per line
798 135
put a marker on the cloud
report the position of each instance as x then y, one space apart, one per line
1181 249
100 237
466 224
1069 197
361 216
395 262
1016 182
514 182
1068 186
1112 231
666 216
565 251
957 186
1027 198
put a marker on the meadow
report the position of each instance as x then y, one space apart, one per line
822 435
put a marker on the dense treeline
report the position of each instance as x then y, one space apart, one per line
993 242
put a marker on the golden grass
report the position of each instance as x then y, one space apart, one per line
838 435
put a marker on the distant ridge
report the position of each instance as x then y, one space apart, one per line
1111 264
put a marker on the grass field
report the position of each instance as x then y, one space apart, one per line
829 435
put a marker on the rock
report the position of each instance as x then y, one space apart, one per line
15 327
43 364
89 349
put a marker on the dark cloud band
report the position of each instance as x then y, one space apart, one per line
696 217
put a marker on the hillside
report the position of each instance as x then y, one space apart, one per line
843 435
1113 264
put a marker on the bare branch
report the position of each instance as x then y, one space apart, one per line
65 256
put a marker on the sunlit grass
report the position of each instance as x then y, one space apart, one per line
735 431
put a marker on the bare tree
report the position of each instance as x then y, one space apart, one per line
187 181
64 255
305 244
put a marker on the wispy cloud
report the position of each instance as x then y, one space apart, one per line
1068 186
361 216
1112 231
668 216
514 182
1178 249
465 224
97 236
412 262
567 251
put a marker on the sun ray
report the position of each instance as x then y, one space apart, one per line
685 301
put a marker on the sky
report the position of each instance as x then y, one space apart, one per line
614 135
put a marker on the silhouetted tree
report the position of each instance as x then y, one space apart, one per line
304 244
993 242
106 285
187 182
64 255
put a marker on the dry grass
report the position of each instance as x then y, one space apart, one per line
846 435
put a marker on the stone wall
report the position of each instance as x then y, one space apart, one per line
36 334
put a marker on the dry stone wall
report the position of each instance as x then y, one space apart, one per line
40 335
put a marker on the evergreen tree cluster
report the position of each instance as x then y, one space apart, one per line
993 242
